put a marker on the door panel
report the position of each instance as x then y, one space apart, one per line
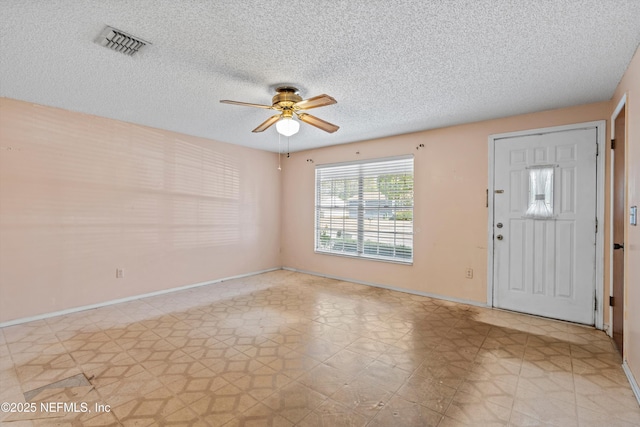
546 266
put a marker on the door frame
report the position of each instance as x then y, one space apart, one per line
600 126
621 104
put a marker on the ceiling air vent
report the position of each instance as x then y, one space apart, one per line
120 41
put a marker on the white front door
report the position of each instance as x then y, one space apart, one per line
544 224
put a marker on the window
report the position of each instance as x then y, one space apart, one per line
365 209
540 192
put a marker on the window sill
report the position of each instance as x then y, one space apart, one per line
366 258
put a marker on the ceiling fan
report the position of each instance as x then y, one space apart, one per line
288 102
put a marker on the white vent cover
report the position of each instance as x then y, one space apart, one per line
120 41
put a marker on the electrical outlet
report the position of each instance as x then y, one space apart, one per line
468 273
119 273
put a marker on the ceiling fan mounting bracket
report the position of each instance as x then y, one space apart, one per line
291 89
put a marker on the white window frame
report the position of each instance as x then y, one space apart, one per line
377 231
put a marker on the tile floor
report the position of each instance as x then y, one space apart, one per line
284 349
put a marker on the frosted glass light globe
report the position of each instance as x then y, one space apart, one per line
287 126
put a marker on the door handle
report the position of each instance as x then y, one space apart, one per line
499 237
618 246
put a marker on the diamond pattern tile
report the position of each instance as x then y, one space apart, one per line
288 349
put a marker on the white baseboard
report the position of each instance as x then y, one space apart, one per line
607 329
632 380
127 299
392 288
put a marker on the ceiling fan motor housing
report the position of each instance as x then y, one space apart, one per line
286 97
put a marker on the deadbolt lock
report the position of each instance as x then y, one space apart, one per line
499 225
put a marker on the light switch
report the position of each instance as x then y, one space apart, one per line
633 215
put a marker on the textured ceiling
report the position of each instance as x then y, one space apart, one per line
393 66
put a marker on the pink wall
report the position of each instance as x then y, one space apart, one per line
82 195
630 84
450 220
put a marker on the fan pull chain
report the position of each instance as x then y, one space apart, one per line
288 147
279 152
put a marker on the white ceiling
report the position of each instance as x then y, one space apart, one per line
393 66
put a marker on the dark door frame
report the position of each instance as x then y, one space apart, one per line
618 299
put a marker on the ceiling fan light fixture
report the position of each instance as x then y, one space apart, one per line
288 102
287 126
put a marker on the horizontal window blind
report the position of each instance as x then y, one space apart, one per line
365 209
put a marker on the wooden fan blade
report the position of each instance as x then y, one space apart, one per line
267 123
315 102
247 104
319 123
